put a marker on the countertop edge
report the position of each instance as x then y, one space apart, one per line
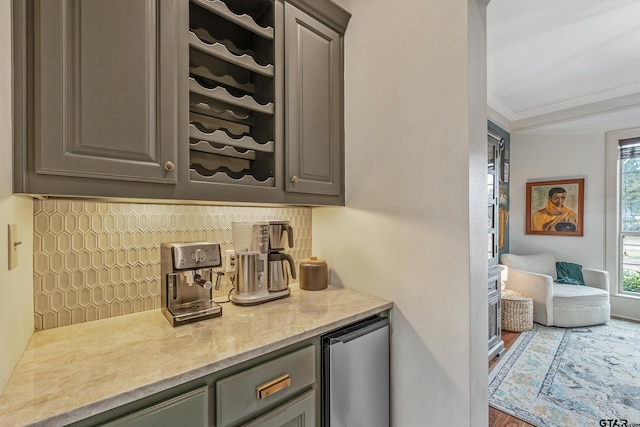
130 396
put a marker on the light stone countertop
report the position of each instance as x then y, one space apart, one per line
73 372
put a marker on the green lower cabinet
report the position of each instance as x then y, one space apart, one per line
280 388
188 410
246 395
299 412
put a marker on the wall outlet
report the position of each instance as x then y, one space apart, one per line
229 261
13 245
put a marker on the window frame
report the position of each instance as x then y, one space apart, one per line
613 213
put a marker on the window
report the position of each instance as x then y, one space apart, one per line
623 212
629 196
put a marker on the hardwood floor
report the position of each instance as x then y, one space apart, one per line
498 418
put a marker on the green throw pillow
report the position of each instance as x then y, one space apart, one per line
569 273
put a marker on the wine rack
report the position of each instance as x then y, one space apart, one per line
231 92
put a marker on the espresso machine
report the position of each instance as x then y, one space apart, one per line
188 276
252 285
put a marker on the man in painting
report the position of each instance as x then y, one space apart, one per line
555 216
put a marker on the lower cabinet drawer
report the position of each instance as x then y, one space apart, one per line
189 409
299 412
267 385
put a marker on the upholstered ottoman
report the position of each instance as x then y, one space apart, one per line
517 311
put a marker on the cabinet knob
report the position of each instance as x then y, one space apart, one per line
295 179
169 166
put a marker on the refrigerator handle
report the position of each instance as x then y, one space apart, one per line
349 336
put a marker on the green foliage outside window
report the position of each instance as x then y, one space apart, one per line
631 280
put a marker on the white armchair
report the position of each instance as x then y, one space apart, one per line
556 304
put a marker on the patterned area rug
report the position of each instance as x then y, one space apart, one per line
557 377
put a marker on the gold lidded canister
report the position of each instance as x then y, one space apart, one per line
314 274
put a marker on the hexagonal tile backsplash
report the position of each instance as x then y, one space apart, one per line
94 260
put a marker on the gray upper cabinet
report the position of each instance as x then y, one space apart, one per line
314 105
103 91
214 100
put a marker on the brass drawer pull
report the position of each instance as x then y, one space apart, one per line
273 386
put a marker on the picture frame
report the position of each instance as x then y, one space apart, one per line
555 208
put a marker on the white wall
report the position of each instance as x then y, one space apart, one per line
414 228
548 155
542 157
16 285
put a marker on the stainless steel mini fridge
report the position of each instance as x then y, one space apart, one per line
355 375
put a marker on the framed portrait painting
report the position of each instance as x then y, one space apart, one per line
555 208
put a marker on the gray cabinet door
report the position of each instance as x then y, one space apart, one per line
298 412
236 395
106 89
313 109
189 409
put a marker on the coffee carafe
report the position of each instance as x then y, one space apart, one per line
278 276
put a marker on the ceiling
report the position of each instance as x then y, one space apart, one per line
564 65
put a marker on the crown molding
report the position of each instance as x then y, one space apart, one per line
497 118
542 119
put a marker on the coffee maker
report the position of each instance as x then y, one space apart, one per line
187 281
251 242
278 276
